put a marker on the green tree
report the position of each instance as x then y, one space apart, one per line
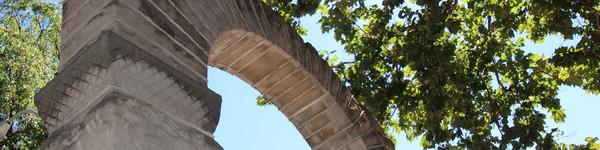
455 72
29 43
591 143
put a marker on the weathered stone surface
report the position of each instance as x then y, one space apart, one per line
119 121
158 51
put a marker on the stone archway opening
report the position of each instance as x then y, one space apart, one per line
245 125
298 93
133 76
284 81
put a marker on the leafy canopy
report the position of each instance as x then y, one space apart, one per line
29 38
455 72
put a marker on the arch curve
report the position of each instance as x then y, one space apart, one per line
324 115
132 49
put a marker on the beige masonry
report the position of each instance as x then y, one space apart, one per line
132 75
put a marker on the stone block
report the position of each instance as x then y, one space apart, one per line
119 121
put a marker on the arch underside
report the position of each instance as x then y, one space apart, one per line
156 52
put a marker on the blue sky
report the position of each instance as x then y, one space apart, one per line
244 125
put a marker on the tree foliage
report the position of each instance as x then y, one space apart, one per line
455 72
591 143
29 42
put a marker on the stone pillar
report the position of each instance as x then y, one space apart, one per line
117 89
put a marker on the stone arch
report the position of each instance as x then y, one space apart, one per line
299 94
151 56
